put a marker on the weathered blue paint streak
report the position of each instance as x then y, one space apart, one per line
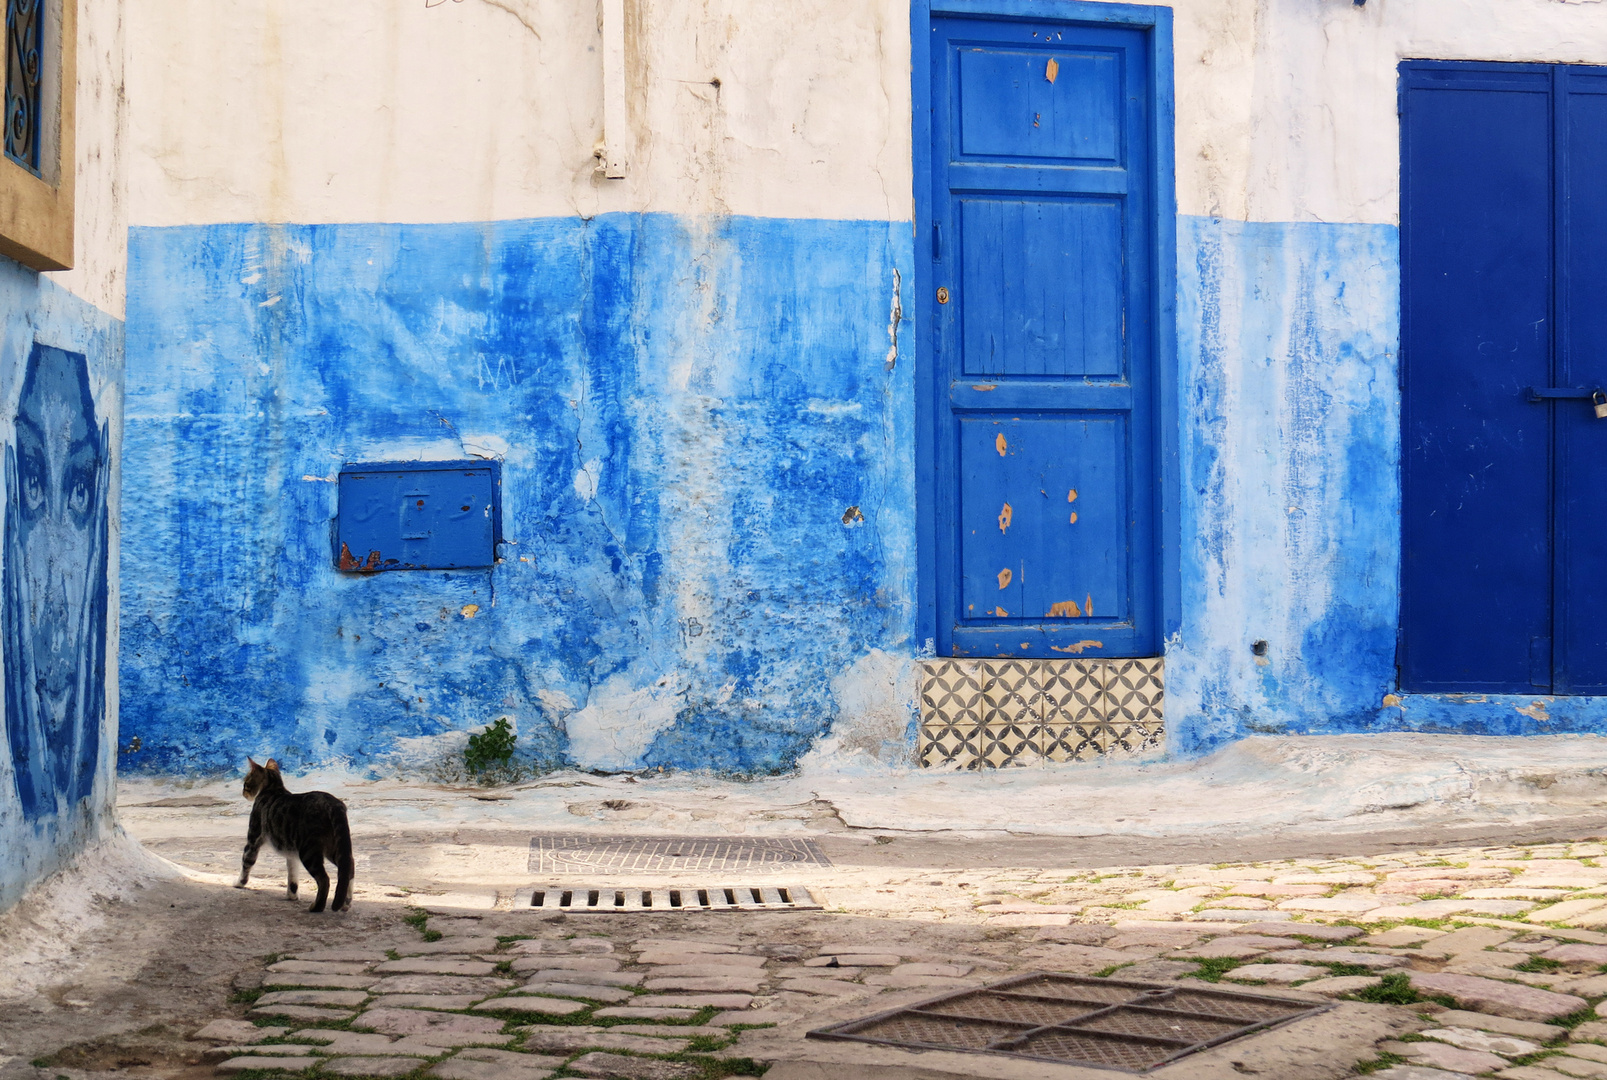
1287 339
61 369
707 486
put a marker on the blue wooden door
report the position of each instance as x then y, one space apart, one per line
1504 338
1042 381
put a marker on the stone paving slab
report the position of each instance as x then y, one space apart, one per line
616 1065
824 987
343 956
1339 984
441 984
1422 1072
282 1064
427 966
533 1006
694 1001
237 1031
1503 999
302 1012
458 1068
1505 1025
420 1021
1275 973
1482 1041
714 984
278 1050
1339 955
355 1042
512 1059
320 982
631 1012
435 1043
586 978
547 962
754 1016
370 1066
581 946
611 994
347 998
458 945
721 961
446 1002
569 1039
1452 1058
319 967
1311 930
1520 1072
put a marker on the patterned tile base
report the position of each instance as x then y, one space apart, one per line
990 714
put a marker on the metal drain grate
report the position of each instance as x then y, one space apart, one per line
581 900
1076 1020
578 853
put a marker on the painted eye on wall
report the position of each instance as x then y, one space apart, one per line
33 485
78 494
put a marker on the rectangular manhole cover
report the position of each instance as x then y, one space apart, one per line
1076 1020
578 853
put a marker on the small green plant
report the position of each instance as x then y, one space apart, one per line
1397 989
1538 964
1213 968
1382 1061
1574 1019
491 750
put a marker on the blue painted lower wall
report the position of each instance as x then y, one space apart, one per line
707 487
61 370
706 431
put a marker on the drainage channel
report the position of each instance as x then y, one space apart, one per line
581 900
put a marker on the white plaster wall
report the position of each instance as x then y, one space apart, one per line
452 110
1308 131
101 240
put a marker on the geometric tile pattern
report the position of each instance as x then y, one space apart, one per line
995 714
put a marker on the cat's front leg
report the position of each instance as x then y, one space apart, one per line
291 862
248 859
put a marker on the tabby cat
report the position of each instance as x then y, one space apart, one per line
306 828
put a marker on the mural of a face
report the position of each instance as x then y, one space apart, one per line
57 473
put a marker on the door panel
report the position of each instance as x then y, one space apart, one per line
1476 219
1041 208
1057 482
1042 283
1075 117
1581 594
1502 280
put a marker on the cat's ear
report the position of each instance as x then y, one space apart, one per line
253 763
272 766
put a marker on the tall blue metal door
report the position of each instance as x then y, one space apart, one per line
1504 342
1042 384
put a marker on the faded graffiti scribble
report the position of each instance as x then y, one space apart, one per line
57 472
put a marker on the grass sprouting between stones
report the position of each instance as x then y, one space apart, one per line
1396 989
1382 1061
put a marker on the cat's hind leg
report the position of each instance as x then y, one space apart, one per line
291 862
313 859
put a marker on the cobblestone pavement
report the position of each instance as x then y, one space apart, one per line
1440 964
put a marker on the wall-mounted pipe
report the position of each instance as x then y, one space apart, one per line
616 128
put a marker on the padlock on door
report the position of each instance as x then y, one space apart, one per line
1598 400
